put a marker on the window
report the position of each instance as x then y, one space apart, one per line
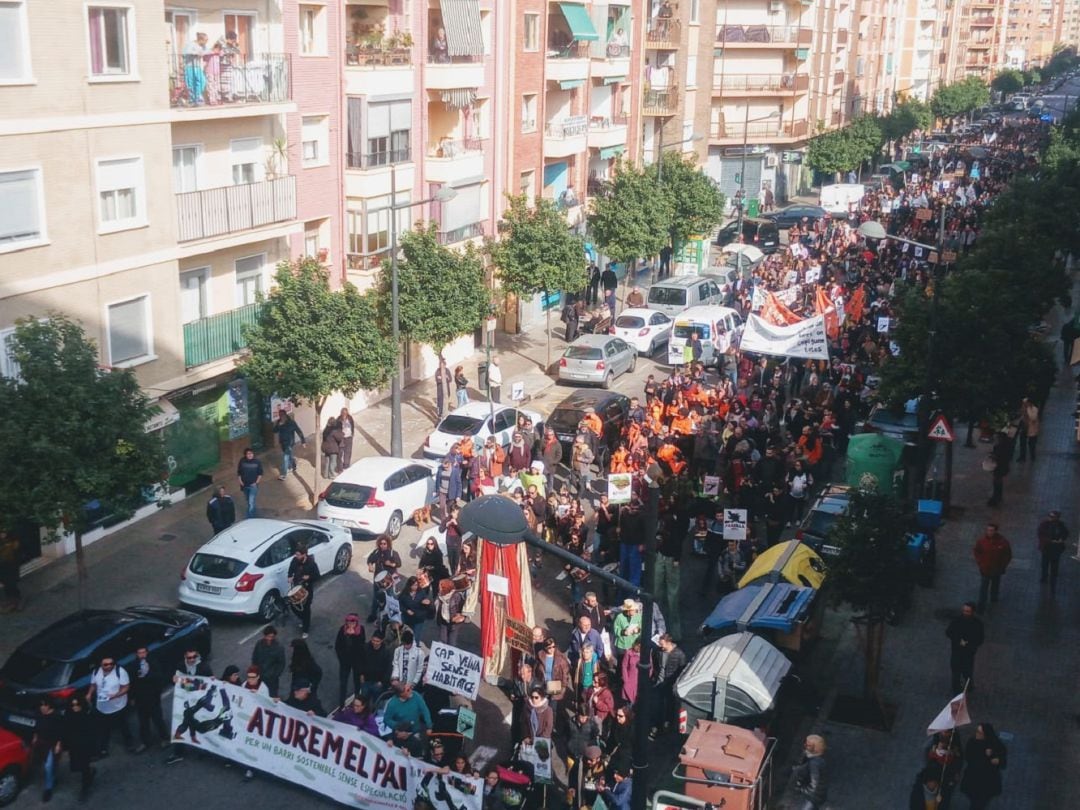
528 112
691 70
315 140
532 33
377 222
110 41
193 286
355 221
695 12
185 163
312 30
480 119
129 331
22 209
485 31
249 279
389 132
528 184
121 193
243 25
311 242
14 43
9 366
246 156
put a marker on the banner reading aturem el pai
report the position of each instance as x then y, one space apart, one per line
334 759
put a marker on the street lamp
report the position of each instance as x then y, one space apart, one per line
442 195
742 174
499 520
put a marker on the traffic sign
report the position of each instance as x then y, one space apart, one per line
941 430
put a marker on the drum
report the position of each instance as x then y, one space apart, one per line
461 582
423 579
297 595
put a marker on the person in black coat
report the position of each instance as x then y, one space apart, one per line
221 511
304 571
375 667
147 681
78 736
985 759
349 647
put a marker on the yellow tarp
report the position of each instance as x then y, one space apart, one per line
792 562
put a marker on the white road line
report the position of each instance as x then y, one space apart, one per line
258 630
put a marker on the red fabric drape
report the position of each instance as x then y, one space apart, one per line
504 561
823 306
775 312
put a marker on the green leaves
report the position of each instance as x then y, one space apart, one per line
631 217
843 149
536 252
697 206
906 117
441 292
960 98
1007 81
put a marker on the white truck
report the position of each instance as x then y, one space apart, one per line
840 197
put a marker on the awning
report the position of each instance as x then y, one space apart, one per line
570 84
459 99
461 19
614 79
577 17
165 413
608 152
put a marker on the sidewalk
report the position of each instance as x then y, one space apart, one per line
1027 669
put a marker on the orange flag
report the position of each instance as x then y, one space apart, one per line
856 304
775 312
823 306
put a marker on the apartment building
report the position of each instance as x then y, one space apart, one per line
922 53
1070 23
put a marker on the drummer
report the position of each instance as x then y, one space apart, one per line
303 572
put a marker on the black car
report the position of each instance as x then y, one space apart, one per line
761 233
611 407
831 504
795 214
58 661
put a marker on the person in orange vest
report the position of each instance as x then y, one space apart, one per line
620 459
812 447
681 423
591 421
669 454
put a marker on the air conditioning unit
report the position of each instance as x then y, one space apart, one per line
770 162
776 6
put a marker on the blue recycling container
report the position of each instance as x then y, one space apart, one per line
929 515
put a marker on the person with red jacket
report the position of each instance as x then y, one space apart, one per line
993 555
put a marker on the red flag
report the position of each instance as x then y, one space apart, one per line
775 312
856 305
823 306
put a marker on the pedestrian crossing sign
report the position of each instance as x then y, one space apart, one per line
940 429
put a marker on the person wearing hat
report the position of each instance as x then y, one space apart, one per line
436 754
303 699
585 778
1052 536
534 477
627 628
253 681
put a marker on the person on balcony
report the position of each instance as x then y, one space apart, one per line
440 49
618 43
194 74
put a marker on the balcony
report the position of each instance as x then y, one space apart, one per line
982 21
566 136
606 131
760 84
365 262
610 60
764 36
214 85
365 161
458 72
449 160
661 101
979 44
760 132
663 34
569 63
233 209
219 336
472 231
842 36
838 77
377 65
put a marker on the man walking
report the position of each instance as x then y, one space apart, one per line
108 692
593 294
1029 429
494 381
993 555
221 511
669 550
1052 536
610 282
269 657
443 378
303 571
287 431
668 662
966 635
250 472
147 681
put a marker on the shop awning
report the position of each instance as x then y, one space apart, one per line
570 84
577 17
614 79
459 99
461 19
608 152
165 413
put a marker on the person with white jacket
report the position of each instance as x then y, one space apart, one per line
409 660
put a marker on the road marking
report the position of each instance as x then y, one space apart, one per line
258 630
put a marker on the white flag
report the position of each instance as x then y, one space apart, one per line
953 715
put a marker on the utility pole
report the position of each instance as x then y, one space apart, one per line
931 340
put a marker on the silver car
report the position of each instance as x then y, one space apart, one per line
596 359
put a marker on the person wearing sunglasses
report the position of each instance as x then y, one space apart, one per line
109 685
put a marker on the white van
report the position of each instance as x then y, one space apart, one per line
838 198
716 326
672 295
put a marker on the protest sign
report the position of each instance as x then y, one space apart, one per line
758 300
804 339
787 297
466 722
392 609
883 324
539 755
519 636
734 524
517 391
619 487
454 670
812 275
711 485
443 791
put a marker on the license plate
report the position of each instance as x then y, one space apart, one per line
207 588
577 376
348 524
21 721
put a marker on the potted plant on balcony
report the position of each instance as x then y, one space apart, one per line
277 157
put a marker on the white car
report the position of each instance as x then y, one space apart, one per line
376 495
475 420
643 328
244 570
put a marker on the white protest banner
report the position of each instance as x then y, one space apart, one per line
392 609
619 488
454 670
787 297
734 524
711 485
812 275
444 791
334 759
804 339
758 300
539 755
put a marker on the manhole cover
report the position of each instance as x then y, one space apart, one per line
167 537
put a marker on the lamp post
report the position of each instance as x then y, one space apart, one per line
442 195
742 173
499 520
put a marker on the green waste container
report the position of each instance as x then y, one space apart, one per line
753 207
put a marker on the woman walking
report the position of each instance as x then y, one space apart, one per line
348 428
303 665
984 760
332 440
349 647
461 385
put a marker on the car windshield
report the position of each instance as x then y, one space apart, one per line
820 522
565 420
29 669
683 331
583 353
347 495
630 322
667 296
214 565
460 425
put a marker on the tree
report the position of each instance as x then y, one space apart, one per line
871 570
1032 77
960 98
311 342
832 152
81 430
441 292
1007 81
906 117
536 253
697 204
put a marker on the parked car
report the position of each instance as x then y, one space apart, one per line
611 407
477 420
596 359
643 328
58 661
795 214
814 530
14 766
376 495
672 295
244 569
902 425
760 232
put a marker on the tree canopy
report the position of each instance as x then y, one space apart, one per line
630 217
960 98
906 117
1007 81
847 148
697 206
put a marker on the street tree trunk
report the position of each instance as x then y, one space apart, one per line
81 574
875 640
319 404
547 328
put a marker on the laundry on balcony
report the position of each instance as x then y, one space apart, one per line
461 21
458 99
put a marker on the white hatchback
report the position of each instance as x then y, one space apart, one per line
244 570
377 495
643 328
476 421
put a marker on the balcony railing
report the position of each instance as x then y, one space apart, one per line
764 35
377 55
231 209
440 58
447 148
366 262
663 32
574 50
762 82
461 234
219 336
599 123
568 127
374 160
225 79
762 129
661 101
610 50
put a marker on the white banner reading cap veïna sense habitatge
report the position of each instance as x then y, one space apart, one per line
804 339
335 759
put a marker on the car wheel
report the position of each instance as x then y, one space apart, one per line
652 349
633 364
343 558
607 380
270 606
393 526
10 783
